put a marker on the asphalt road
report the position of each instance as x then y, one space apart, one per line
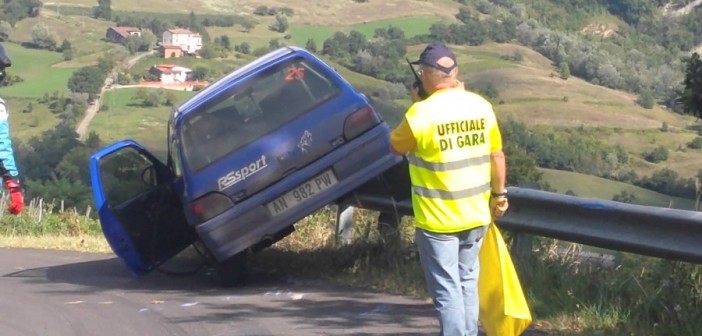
45 292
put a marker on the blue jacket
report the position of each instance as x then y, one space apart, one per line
7 157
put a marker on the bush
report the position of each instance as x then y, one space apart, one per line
696 143
659 154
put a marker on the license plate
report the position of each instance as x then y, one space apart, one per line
302 193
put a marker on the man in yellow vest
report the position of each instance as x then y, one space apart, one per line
457 169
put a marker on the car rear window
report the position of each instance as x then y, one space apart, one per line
251 109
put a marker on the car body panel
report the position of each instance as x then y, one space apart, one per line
143 223
272 180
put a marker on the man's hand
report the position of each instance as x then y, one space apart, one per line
16 197
498 206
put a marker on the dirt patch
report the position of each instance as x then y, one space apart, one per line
598 29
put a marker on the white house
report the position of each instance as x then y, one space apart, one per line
188 41
171 73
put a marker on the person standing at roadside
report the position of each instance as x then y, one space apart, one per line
8 169
457 171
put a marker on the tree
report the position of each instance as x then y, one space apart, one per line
248 25
244 48
625 197
225 42
691 95
87 80
200 72
65 45
311 45
281 23
103 10
5 30
261 10
646 99
564 70
43 37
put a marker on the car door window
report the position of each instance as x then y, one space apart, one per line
126 174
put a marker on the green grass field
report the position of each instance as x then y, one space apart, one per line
24 125
121 119
412 26
35 67
594 187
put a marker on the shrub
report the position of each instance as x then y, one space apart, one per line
659 154
696 143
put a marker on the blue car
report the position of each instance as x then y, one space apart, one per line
248 157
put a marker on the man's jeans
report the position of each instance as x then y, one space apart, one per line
451 265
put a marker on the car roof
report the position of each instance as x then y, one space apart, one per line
225 83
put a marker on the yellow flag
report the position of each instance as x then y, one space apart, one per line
503 307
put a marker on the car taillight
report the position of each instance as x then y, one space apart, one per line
210 205
360 121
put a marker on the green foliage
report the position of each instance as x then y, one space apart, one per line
380 57
521 167
281 23
633 296
42 218
696 143
625 197
87 80
103 10
659 154
564 70
691 96
646 99
5 30
577 150
16 10
43 37
311 45
244 48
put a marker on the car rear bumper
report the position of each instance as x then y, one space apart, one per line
250 222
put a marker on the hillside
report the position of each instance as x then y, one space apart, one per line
313 12
530 89
599 188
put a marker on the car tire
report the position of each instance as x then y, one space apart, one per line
233 271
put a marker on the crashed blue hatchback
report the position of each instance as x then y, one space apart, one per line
248 157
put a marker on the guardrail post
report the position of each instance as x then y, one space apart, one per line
521 248
344 224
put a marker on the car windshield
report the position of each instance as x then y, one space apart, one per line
251 109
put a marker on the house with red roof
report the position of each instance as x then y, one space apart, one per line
120 34
170 73
188 41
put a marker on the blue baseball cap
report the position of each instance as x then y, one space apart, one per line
439 56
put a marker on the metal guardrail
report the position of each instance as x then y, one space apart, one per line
645 230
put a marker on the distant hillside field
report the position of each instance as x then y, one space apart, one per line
123 117
311 12
599 188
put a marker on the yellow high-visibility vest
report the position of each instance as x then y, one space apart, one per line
455 131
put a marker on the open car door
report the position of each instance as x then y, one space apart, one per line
140 212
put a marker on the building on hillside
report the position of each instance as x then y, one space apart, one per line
171 51
120 34
170 73
188 41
